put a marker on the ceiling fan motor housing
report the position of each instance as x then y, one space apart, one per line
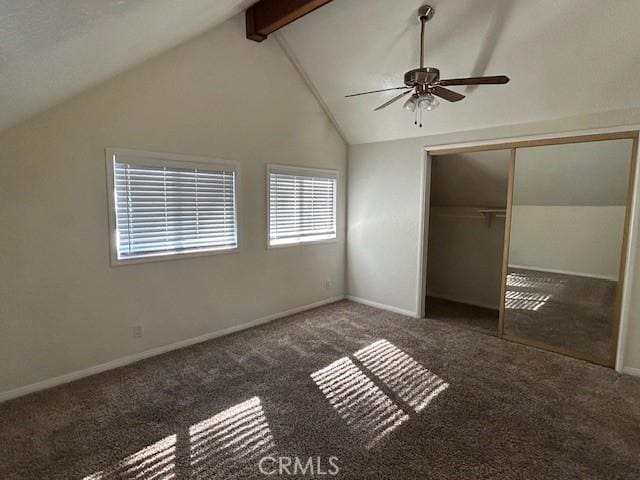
421 76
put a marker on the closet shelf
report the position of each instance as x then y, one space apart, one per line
471 212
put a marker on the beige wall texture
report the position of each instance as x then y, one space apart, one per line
586 173
385 181
579 240
62 307
384 196
464 257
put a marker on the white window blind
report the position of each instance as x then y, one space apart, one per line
302 205
167 208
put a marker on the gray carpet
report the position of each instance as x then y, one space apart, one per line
390 396
464 315
569 311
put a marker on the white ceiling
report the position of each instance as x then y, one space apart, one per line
52 49
565 58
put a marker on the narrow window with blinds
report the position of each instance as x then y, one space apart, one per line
168 205
302 205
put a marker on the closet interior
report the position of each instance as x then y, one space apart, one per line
467 212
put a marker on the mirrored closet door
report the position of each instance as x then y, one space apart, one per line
566 230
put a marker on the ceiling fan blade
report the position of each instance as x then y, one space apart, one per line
376 91
447 94
496 80
394 99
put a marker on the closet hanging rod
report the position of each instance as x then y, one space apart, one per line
471 212
493 210
485 213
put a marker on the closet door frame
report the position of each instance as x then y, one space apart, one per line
507 242
631 195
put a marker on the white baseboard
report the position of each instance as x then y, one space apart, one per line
382 306
565 272
452 298
120 362
631 371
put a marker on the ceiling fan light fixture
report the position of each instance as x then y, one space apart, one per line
428 102
424 83
411 103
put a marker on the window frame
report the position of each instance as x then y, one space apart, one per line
158 159
298 170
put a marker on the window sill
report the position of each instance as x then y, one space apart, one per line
301 243
163 257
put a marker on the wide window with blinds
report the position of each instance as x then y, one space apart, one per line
165 205
302 205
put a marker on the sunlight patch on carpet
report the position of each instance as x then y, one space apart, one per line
366 409
525 300
413 383
231 442
155 462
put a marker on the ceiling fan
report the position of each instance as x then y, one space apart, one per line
424 83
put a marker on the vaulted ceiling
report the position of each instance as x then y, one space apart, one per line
475 178
53 49
565 58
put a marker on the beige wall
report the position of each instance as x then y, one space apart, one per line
632 333
464 256
62 307
587 173
384 221
579 240
384 228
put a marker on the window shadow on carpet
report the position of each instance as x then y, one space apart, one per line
374 391
378 389
224 446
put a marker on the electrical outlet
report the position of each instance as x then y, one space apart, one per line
137 331
328 284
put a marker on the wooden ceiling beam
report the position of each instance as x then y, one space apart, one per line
267 16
